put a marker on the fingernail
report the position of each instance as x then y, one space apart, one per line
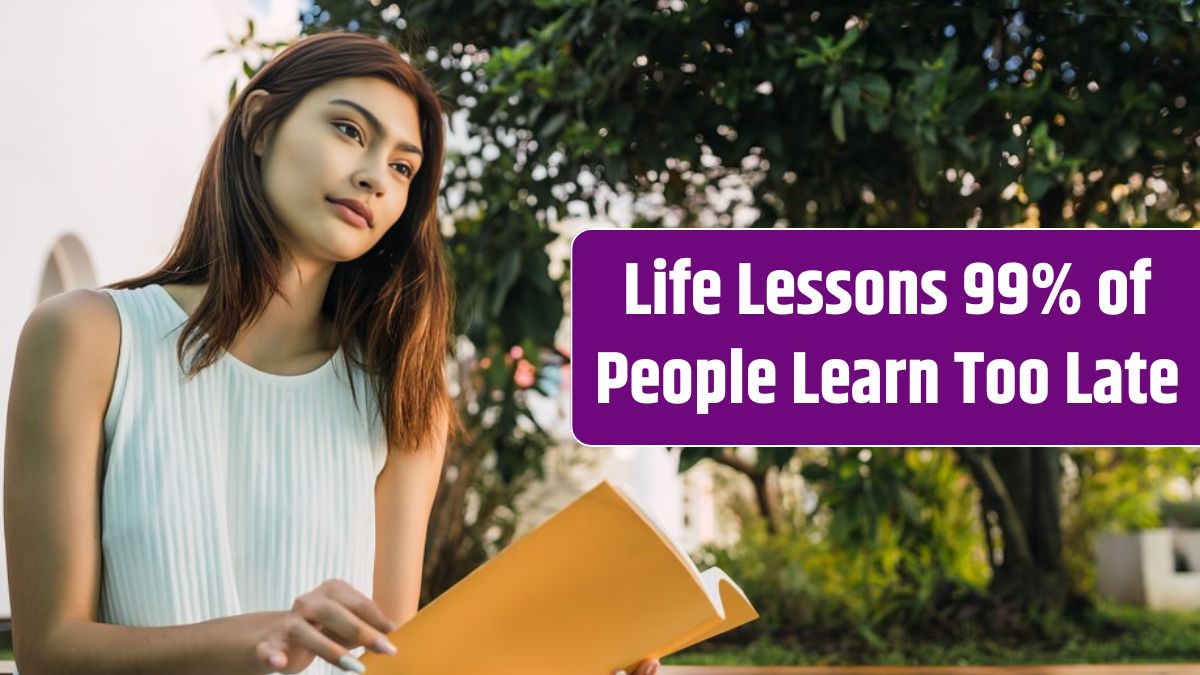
653 669
277 660
620 672
382 645
350 663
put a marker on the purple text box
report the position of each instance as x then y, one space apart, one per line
652 350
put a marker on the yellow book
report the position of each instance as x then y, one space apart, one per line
594 588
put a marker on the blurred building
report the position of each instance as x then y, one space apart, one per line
1157 568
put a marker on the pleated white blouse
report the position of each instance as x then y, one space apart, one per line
232 492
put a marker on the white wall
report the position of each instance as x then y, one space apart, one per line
108 111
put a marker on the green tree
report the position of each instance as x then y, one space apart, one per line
868 113
864 114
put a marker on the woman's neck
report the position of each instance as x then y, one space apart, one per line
291 334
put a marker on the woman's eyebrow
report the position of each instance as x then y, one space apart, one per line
377 127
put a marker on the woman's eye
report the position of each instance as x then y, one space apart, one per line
403 167
348 126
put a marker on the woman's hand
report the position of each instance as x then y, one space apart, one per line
646 667
326 622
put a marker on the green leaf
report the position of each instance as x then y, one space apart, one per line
1036 185
876 120
1040 134
535 271
965 148
553 125
808 59
848 39
929 162
850 93
838 121
506 275
877 87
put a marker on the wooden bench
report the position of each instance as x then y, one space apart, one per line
8 668
1086 669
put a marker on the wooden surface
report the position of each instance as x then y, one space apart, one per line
8 667
1140 669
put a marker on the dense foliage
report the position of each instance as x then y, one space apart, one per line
863 114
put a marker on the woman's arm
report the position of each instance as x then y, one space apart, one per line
404 494
63 374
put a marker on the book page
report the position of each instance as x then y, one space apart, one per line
735 609
594 588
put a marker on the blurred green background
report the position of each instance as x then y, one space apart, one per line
804 114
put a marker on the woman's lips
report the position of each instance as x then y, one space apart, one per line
349 215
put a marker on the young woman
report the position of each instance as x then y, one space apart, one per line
227 465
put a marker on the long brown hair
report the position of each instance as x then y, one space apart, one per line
394 303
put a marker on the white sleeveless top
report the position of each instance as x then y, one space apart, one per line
235 491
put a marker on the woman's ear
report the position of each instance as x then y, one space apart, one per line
254 103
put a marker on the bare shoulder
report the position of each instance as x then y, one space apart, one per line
76 332
75 314
75 304
66 361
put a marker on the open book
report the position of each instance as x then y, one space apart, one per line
594 588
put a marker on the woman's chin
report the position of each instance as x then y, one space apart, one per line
346 254
347 242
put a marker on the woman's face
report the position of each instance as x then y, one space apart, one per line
350 139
